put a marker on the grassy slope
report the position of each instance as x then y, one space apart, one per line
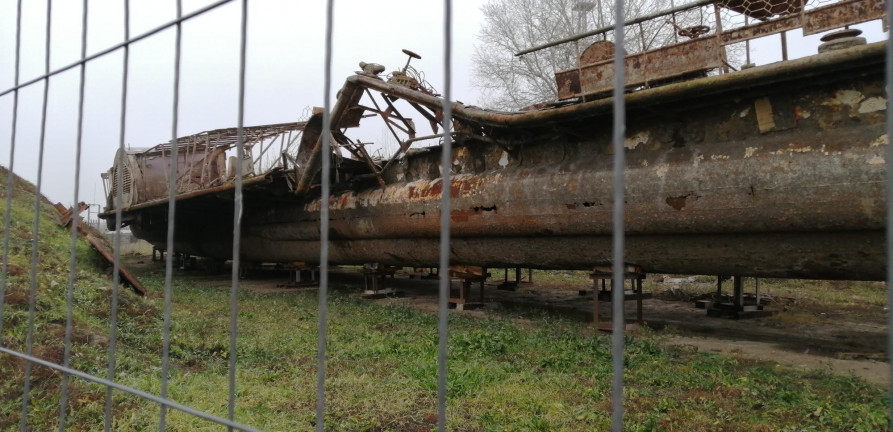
91 307
536 373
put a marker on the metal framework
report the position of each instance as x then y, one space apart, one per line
242 138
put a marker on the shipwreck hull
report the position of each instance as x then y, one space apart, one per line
776 171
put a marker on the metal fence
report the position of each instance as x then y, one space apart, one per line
162 399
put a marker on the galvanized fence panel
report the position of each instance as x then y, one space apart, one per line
162 399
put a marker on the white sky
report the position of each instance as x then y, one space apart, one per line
284 70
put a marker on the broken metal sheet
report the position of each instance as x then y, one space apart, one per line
765 119
67 215
693 56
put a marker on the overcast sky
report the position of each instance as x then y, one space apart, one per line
284 70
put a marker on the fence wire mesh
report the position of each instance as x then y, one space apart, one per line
699 15
27 355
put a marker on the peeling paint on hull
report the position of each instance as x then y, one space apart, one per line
709 190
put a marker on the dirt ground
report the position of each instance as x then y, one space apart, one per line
841 340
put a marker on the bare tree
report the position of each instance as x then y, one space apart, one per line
509 82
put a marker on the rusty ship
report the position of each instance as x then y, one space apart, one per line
775 170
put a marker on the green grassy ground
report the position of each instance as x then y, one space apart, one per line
534 374
540 374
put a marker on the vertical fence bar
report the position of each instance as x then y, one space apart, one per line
618 267
446 191
35 240
10 178
720 49
326 155
237 220
198 12
119 200
746 42
673 18
889 159
75 218
171 214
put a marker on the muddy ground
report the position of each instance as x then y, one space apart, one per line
844 340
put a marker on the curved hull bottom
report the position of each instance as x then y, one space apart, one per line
852 255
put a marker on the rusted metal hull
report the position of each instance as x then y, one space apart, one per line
835 255
784 178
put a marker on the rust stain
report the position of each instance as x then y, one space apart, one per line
677 203
435 190
461 215
464 215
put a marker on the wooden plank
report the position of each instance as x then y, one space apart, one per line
129 277
68 215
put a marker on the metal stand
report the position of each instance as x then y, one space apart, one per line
466 276
739 305
433 273
160 251
374 276
508 285
185 261
635 275
301 275
421 273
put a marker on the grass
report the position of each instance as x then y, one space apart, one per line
539 373
542 374
90 310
